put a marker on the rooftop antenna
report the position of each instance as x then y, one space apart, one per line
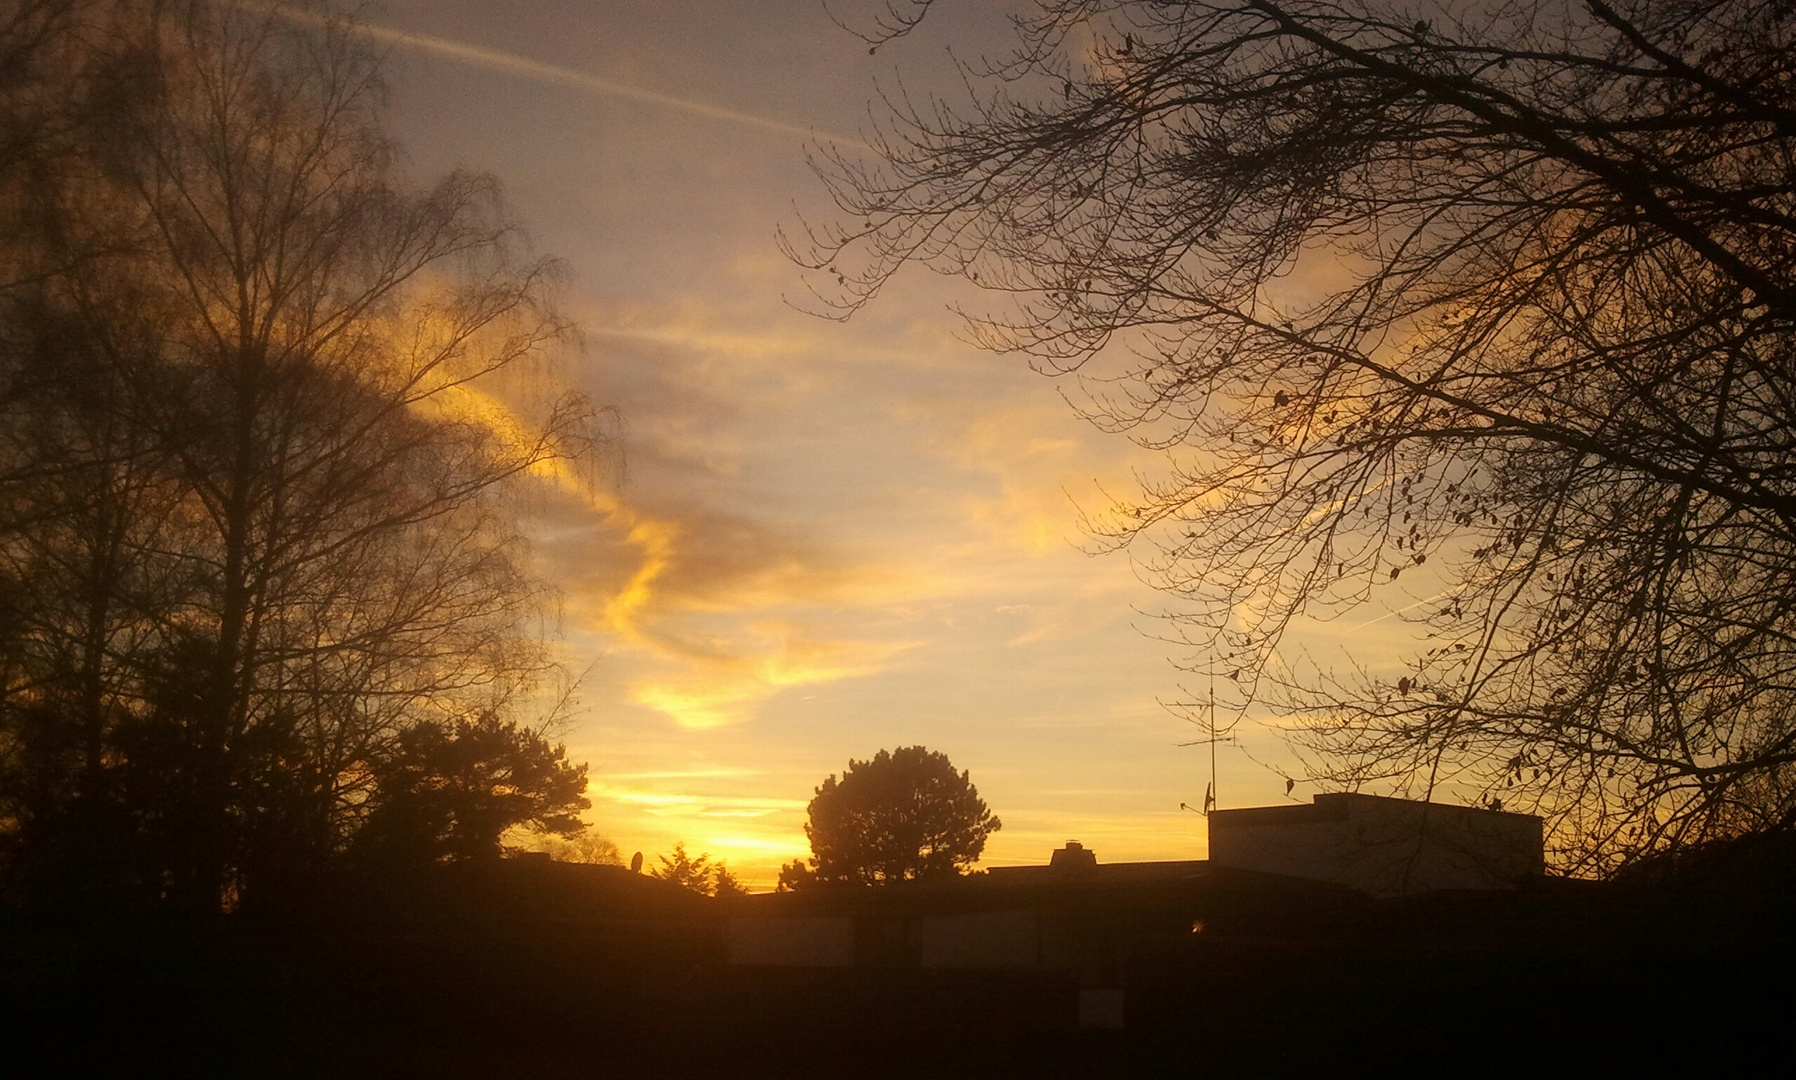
1210 792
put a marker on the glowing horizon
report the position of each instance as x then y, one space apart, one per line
830 539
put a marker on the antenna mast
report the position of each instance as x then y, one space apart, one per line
1210 796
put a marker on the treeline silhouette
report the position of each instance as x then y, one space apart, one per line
264 609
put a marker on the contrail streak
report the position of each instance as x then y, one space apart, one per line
560 76
1401 610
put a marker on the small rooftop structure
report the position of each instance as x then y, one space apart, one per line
1381 845
1073 859
1076 862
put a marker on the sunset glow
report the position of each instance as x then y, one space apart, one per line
826 539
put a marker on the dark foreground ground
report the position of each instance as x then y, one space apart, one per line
541 972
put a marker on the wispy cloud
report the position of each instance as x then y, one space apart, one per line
710 675
834 537
728 688
525 68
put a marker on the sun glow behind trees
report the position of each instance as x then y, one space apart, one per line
871 536
1554 355
258 544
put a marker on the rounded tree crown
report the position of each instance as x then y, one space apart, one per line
903 815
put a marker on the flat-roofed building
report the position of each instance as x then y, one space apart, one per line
1381 845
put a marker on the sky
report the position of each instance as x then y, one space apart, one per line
818 539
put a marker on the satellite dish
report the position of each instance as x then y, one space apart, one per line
636 863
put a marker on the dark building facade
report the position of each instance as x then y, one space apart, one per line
1385 847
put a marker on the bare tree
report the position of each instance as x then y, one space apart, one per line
1498 297
82 491
326 373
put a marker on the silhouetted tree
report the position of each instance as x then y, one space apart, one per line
587 847
796 875
263 400
450 791
80 498
903 815
724 885
1497 299
698 874
686 871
